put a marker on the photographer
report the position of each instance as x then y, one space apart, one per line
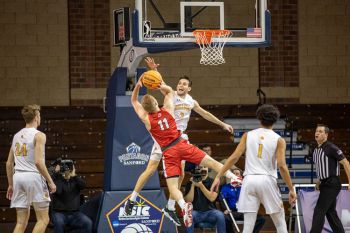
198 192
66 201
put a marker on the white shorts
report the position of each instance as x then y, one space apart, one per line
258 189
156 153
29 187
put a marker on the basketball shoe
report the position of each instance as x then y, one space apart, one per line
187 214
129 204
172 215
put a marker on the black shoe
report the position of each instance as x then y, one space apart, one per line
129 204
171 214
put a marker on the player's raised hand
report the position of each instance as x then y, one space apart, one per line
139 83
228 128
215 185
151 64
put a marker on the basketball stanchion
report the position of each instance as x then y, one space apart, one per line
211 44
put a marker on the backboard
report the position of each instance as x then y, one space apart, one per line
170 23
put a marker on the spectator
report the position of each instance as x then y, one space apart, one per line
198 192
230 192
66 201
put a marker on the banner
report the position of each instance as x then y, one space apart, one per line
308 202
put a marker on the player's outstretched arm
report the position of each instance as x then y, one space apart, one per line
281 162
230 162
168 97
140 111
210 117
346 166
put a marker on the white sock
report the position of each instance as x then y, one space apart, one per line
134 196
181 203
230 175
171 204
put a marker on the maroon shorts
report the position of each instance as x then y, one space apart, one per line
173 156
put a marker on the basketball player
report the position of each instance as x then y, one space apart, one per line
184 103
27 179
160 122
264 151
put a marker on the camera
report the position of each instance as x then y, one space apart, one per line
65 165
197 174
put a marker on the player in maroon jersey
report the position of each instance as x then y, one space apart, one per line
160 122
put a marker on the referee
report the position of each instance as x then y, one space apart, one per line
327 157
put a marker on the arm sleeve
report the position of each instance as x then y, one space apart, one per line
336 153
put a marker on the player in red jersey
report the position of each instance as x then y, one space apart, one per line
160 122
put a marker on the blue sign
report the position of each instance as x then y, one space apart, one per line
145 217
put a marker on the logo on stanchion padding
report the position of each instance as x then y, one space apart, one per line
133 156
145 217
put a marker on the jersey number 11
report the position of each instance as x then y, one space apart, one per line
163 124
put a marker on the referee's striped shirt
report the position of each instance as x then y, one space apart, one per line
326 158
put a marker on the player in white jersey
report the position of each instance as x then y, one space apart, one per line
265 151
27 178
184 104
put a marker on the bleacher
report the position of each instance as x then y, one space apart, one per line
78 133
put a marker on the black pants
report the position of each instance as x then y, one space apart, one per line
326 203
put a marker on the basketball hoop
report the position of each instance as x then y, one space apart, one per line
211 49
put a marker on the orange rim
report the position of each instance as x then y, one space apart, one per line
208 34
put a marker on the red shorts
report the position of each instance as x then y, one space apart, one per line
173 156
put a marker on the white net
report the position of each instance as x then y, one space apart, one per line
212 50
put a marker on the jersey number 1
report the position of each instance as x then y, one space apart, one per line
163 124
260 151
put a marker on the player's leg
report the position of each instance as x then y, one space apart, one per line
172 170
249 222
156 156
42 216
209 162
22 219
279 221
172 183
270 196
171 202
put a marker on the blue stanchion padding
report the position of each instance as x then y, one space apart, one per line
145 215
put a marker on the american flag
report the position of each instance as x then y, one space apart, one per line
254 32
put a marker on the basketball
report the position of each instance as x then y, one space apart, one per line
151 79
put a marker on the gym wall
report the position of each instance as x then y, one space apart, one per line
58 52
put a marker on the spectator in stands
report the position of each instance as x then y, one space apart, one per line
66 201
230 192
204 210
327 158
